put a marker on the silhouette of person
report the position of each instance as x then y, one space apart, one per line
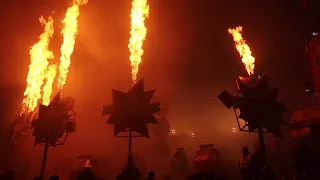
198 176
140 163
245 164
119 177
38 178
191 177
54 177
130 172
2 172
11 175
257 162
86 175
151 175
301 159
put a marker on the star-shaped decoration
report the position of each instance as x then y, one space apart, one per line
49 126
163 128
132 110
258 105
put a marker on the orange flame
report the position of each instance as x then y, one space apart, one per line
47 89
39 56
138 32
69 32
42 73
243 49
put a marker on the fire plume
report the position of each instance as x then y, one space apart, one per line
69 32
243 49
39 56
47 89
138 32
42 69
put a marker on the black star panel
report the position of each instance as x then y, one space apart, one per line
132 110
50 123
258 105
163 129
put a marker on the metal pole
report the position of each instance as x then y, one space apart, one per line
280 154
44 159
262 146
235 113
129 151
284 175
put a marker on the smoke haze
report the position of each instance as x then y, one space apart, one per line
189 57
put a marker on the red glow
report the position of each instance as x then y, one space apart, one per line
202 158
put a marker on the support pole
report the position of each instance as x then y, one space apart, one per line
129 165
44 159
262 147
279 154
284 175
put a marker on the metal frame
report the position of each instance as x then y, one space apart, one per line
62 140
129 136
244 128
59 142
126 136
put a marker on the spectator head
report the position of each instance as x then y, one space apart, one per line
11 174
54 177
245 150
191 177
150 175
86 170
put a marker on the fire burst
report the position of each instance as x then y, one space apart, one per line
42 73
39 56
47 89
243 49
69 32
138 32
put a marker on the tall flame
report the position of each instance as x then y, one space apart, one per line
138 32
39 56
243 49
42 73
47 89
69 32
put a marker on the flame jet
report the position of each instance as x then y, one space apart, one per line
39 56
243 49
47 89
69 32
138 33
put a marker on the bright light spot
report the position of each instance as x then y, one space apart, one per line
242 123
193 135
234 129
173 131
315 33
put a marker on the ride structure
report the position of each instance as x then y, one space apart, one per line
256 104
53 125
131 112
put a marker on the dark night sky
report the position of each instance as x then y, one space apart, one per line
188 51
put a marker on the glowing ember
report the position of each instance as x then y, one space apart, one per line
69 32
138 32
243 49
39 56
